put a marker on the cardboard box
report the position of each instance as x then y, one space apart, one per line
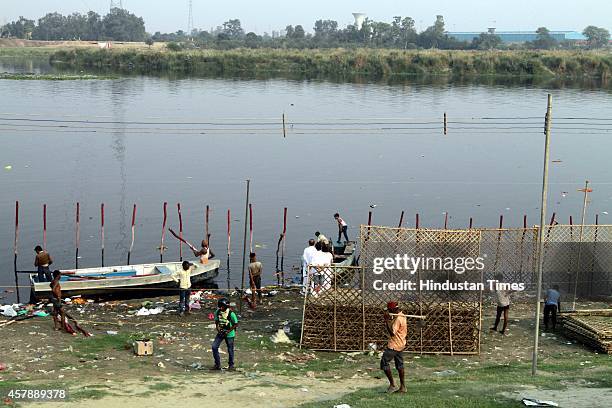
143 347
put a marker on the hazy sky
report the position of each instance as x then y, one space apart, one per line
267 15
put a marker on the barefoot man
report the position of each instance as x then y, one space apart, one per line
59 318
397 327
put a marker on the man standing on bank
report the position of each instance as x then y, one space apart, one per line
397 327
342 227
226 322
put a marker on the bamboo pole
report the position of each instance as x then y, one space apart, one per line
594 255
450 328
45 227
282 265
228 246
15 251
471 223
569 267
244 243
445 124
446 220
133 234
284 126
586 191
417 221
333 276
521 248
180 216
401 220
102 232
163 233
534 361
77 235
250 227
207 231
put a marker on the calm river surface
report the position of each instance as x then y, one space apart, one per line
195 141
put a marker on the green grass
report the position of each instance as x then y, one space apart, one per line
162 386
89 393
370 63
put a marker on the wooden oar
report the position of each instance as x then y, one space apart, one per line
182 240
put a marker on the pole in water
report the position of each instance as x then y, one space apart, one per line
15 249
446 220
229 233
45 227
525 221
163 233
77 235
284 126
283 247
401 221
471 223
417 221
251 227
536 335
586 190
228 246
207 233
244 243
445 124
102 230
133 234
180 216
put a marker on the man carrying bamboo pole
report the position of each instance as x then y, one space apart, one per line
397 328
204 253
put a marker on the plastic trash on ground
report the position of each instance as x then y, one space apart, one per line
8 311
532 402
280 337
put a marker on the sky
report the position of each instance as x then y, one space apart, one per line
266 15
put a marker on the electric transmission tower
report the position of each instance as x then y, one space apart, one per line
116 4
190 19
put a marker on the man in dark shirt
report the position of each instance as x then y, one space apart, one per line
42 262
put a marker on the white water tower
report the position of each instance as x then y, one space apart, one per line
359 19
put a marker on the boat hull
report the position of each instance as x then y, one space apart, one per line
100 283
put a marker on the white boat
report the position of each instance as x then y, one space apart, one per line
126 281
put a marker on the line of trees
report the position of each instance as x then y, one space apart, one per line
400 33
117 25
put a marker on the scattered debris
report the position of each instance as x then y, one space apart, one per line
280 337
532 402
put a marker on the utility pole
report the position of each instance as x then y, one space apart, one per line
244 245
536 338
190 19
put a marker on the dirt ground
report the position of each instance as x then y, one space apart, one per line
103 371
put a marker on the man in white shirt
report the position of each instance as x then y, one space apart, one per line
342 227
307 256
322 260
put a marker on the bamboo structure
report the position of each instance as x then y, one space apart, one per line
343 310
590 327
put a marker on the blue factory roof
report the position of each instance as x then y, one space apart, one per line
519 36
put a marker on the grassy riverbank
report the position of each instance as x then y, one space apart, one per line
367 62
102 371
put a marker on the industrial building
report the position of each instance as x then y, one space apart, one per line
518 36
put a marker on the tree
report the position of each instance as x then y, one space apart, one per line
233 29
325 30
434 35
22 28
544 40
486 41
596 36
121 25
252 40
149 41
51 27
298 32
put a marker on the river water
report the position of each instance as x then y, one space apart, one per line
347 146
